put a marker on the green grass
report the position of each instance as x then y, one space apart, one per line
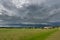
25 34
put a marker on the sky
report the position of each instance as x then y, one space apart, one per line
29 11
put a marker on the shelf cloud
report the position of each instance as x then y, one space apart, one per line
29 11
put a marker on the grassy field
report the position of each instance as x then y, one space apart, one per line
25 34
54 36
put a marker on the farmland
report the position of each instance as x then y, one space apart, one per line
25 34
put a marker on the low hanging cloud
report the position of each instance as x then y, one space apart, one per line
29 11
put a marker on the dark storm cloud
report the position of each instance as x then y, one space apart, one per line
37 11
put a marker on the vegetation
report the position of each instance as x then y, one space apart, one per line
25 34
54 36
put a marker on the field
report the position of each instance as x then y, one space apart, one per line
25 34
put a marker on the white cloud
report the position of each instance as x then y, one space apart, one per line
20 3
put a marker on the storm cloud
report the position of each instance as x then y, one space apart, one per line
29 11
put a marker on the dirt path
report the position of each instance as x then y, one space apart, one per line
55 36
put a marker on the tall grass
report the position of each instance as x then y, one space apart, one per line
25 34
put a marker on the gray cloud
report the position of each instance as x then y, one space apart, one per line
36 11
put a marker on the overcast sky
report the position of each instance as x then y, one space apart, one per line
29 11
